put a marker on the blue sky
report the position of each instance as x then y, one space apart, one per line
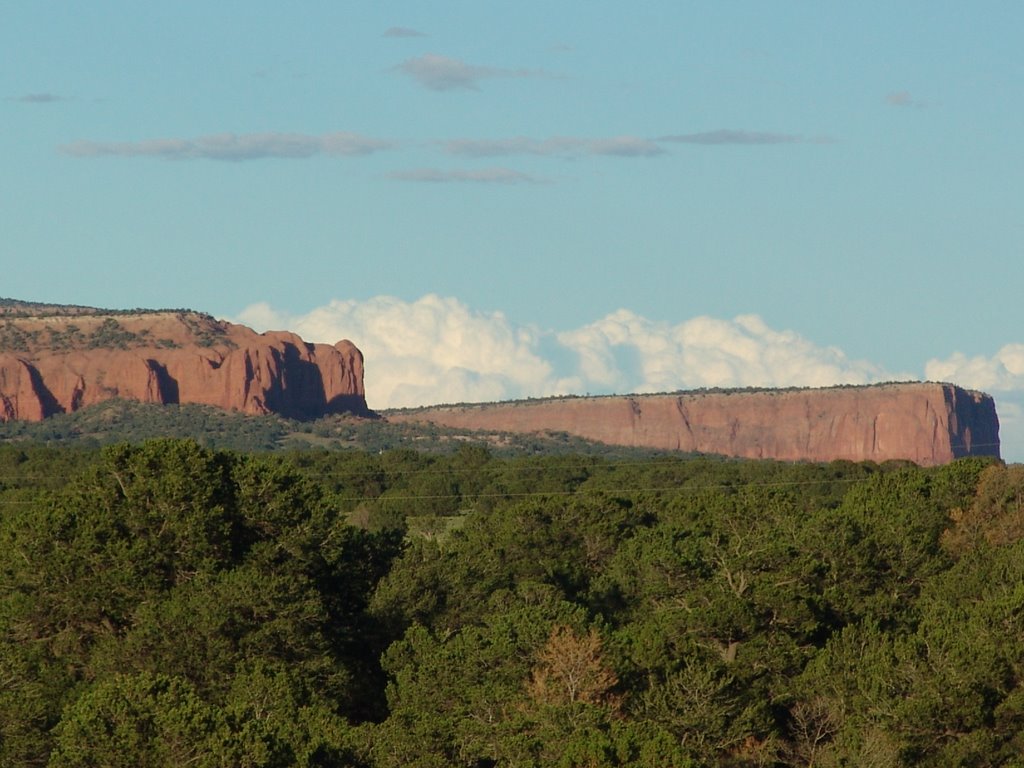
505 199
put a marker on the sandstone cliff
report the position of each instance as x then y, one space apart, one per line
926 423
57 360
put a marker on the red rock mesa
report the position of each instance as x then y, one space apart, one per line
57 360
923 422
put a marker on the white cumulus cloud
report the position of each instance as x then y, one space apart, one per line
1003 371
438 350
628 352
1002 376
433 350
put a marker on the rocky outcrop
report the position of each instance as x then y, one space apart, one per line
62 361
925 423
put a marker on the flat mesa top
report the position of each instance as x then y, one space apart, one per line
690 394
16 308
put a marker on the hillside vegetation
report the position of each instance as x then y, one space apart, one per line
121 420
167 604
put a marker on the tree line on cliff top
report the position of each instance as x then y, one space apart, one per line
168 604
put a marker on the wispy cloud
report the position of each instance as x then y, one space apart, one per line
403 32
233 147
727 136
557 146
902 99
440 73
438 350
37 98
478 176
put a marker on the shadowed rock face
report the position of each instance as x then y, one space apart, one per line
58 363
923 422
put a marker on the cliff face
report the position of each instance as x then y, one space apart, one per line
58 363
926 423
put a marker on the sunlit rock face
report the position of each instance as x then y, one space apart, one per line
926 423
59 361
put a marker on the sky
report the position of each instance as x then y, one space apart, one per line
514 199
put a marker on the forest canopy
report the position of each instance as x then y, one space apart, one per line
168 604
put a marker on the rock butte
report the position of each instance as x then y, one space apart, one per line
64 360
926 423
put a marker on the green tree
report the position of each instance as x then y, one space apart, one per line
171 559
139 721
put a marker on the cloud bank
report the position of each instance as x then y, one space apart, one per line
438 350
233 147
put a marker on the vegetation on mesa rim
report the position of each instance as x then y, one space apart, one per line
165 604
16 307
110 334
204 330
749 390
